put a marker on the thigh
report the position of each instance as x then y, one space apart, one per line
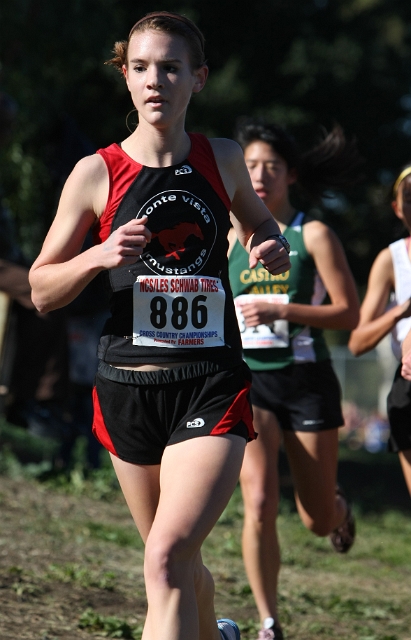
313 459
197 479
140 485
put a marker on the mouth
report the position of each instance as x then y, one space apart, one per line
155 101
262 193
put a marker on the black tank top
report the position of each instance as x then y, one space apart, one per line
188 215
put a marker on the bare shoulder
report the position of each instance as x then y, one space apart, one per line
90 168
87 186
226 149
317 234
383 263
230 161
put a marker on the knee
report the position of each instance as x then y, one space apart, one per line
166 563
261 506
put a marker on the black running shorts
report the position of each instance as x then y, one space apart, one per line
138 413
399 413
303 397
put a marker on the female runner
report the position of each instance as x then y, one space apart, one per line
295 393
391 276
171 372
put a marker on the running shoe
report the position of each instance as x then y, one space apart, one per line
270 631
228 629
342 538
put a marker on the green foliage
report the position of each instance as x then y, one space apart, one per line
82 575
118 535
302 64
107 626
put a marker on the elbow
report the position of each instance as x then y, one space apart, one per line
355 346
353 320
40 304
354 350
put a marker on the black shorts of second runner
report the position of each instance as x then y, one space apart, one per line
399 413
138 413
304 397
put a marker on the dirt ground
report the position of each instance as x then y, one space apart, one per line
52 569
61 564
71 568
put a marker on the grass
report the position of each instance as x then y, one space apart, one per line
88 549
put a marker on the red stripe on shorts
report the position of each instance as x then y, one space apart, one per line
240 410
99 427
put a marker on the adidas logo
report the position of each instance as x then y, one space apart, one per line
198 422
184 169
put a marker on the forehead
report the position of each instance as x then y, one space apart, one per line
155 44
405 186
263 152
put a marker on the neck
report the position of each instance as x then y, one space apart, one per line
284 214
155 147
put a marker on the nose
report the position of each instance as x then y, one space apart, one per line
258 172
154 80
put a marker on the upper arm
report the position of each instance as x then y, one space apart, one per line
380 284
331 263
82 201
248 211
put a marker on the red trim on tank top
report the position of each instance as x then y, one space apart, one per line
123 170
202 158
238 411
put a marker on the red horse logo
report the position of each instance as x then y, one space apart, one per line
173 240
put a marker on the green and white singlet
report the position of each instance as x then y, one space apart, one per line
302 284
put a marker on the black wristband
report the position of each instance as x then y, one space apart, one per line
283 240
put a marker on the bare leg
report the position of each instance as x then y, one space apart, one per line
197 479
405 459
259 484
313 459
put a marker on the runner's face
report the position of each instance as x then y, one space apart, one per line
160 77
269 174
402 204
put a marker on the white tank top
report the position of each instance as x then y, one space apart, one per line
402 278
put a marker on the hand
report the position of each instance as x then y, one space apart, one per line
260 312
126 243
272 255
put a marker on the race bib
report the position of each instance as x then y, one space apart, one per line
263 336
178 312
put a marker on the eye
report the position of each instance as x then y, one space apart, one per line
139 68
170 68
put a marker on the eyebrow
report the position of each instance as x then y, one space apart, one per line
136 60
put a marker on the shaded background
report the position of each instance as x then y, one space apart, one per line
303 63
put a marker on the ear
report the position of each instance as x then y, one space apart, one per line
397 209
125 73
200 76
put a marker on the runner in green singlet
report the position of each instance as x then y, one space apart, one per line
295 393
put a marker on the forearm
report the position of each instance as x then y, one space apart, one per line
328 316
56 285
365 337
268 228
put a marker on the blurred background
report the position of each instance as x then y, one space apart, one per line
303 63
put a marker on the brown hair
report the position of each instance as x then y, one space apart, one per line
168 22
